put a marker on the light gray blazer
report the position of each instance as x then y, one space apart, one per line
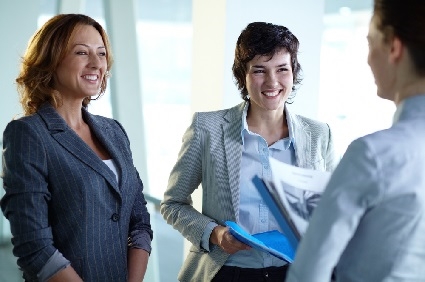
61 196
370 221
211 154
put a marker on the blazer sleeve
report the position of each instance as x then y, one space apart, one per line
140 231
27 197
185 177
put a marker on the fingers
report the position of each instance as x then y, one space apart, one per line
222 237
230 244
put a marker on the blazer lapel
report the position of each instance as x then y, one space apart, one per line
112 143
71 142
233 151
302 140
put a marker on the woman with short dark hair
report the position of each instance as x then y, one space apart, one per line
223 150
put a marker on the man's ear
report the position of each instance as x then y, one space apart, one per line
397 50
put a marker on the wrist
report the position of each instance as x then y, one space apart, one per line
215 235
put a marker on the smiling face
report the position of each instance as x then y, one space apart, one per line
379 61
80 73
269 81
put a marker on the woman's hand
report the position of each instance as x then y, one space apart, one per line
221 237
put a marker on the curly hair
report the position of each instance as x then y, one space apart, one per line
46 49
265 39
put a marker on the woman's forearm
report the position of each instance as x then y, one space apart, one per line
66 274
137 264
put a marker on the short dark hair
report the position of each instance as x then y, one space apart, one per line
265 39
405 20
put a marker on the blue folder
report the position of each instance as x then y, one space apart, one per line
279 211
272 242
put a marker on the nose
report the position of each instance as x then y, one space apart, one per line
271 79
94 61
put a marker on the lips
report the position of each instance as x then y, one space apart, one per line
91 77
271 93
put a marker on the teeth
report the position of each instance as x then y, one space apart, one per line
90 77
271 94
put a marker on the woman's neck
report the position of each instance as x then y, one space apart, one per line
410 89
72 115
271 125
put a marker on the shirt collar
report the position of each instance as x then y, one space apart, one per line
282 145
398 111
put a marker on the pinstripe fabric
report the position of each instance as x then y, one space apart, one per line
60 195
211 153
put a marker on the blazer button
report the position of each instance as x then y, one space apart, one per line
115 217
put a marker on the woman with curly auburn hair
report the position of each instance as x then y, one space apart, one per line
73 196
45 51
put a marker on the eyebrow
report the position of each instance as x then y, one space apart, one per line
85 45
262 67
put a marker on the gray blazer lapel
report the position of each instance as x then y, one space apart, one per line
71 142
302 140
233 150
112 143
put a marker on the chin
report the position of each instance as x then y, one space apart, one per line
93 93
386 95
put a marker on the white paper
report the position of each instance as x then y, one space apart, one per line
298 190
298 177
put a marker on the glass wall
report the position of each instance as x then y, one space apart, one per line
165 43
164 31
348 100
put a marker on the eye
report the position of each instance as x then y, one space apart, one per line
81 53
283 70
102 54
259 71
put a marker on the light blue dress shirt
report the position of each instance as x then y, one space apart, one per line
370 221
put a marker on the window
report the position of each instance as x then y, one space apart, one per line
348 99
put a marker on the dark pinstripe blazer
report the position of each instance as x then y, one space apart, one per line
211 154
61 196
